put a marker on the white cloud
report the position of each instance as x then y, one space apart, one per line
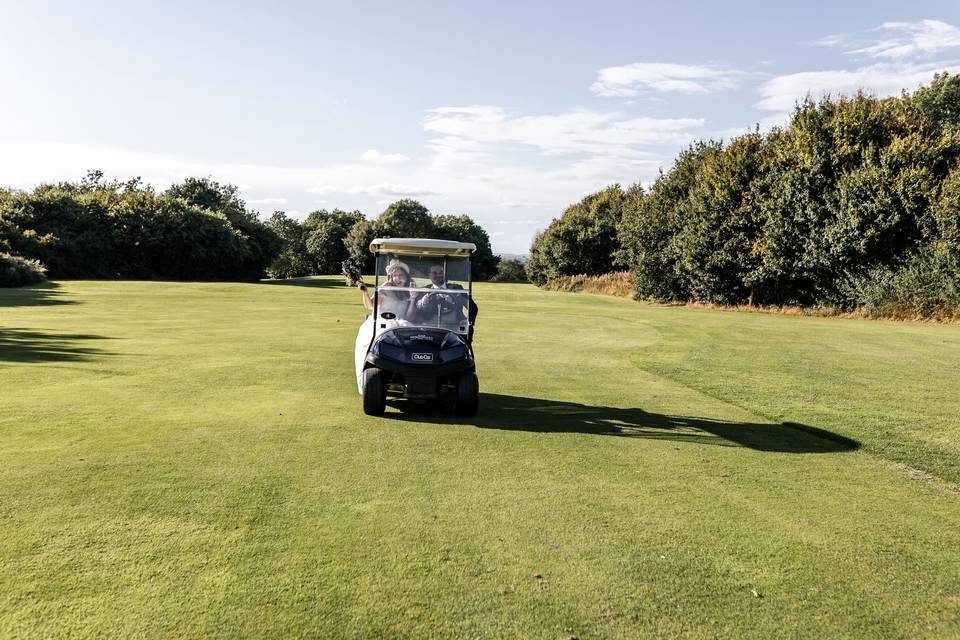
268 201
833 40
528 221
633 79
467 130
894 41
325 188
899 57
512 204
483 161
781 93
375 157
381 188
393 189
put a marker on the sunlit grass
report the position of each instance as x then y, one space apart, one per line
192 460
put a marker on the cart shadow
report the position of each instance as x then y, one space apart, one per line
43 294
22 345
515 413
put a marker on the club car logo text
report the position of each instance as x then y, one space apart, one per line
423 357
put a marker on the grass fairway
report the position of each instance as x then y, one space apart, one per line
191 460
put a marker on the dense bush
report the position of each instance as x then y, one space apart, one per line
325 234
315 246
18 272
259 244
856 203
510 270
292 261
926 284
198 230
581 241
358 241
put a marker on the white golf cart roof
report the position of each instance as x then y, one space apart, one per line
422 246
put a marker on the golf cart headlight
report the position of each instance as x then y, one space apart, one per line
451 340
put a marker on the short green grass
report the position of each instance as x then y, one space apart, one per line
191 460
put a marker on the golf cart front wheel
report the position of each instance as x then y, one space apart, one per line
374 392
468 395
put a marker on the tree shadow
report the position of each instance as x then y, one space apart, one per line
315 283
21 345
516 413
38 295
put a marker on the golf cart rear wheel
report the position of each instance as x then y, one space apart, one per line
468 395
374 392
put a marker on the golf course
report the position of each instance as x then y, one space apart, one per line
192 460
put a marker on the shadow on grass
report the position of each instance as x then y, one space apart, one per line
516 413
45 293
22 345
316 283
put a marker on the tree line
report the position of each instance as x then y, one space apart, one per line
325 238
855 203
198 229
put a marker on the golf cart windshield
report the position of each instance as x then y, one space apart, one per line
423 291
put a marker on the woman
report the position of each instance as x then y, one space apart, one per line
396 301
400 303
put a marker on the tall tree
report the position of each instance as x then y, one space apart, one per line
405 219
463 229
326 234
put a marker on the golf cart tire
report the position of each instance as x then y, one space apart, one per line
374 392
468 395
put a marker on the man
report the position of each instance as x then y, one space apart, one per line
448 307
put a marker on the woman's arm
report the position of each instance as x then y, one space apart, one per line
411 306
367 302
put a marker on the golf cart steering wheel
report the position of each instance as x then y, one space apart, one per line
446 302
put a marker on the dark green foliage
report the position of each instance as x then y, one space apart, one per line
857 198
946 213
312 247
260 244
937 106
18 272
100 229
293 261
510 270
410 219
464 229
926 284
581 241
651 224
357 242
405 219
325 235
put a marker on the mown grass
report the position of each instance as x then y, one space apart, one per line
191 460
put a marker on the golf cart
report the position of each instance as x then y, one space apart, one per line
418 342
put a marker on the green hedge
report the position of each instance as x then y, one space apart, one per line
196 230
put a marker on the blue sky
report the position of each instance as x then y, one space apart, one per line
504 111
